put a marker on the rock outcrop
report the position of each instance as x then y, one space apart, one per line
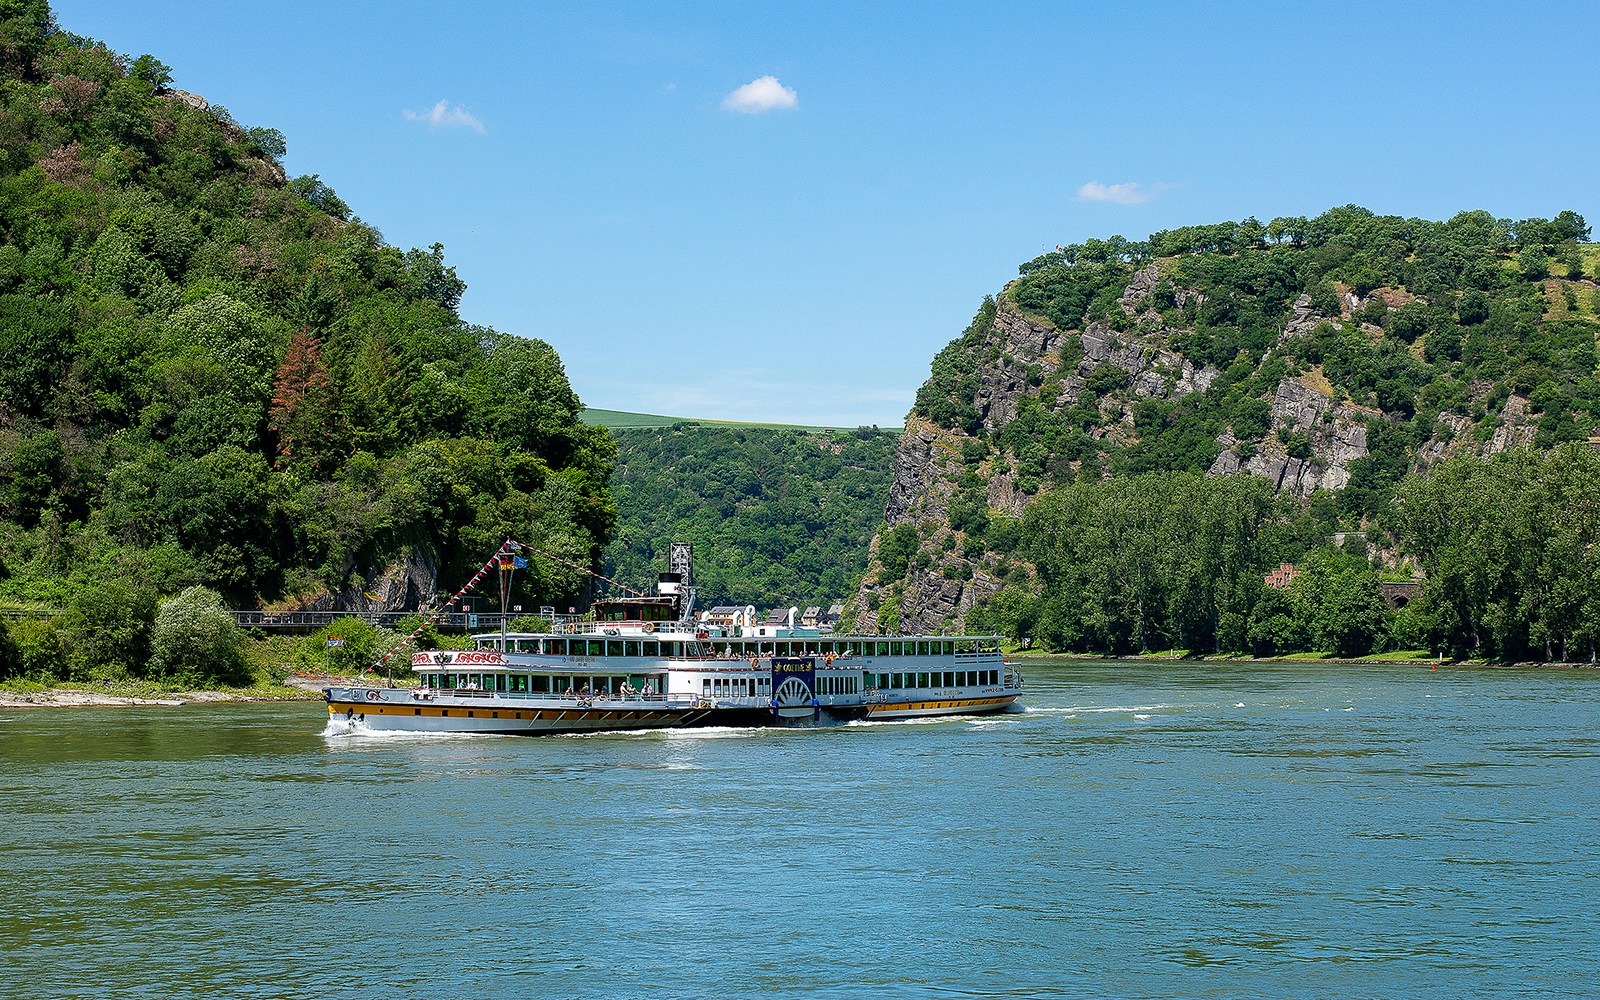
404 585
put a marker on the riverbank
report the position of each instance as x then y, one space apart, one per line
109 694
1392 660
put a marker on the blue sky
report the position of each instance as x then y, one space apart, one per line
799 250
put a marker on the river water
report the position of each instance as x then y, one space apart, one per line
1141 830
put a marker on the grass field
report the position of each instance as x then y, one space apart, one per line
623 420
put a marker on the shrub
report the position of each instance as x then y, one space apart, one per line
356 651
196 640
38 650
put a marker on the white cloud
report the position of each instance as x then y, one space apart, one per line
1131 193
446 115
760 96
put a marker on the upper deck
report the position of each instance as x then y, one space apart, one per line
673 643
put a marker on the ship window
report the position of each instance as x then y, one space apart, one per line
500 682
519 684
614 647
539 683
651 648
416 711
922 680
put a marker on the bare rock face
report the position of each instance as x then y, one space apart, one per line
1517 428
404 585
184 97
1156 371
919 491
1021 343
1337 432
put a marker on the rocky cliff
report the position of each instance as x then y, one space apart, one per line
1023 372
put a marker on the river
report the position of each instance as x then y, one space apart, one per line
1142 830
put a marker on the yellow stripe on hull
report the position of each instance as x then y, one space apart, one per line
944 706
339 708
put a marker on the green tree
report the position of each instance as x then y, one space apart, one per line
110 627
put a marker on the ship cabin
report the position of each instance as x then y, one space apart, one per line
628 665
635 610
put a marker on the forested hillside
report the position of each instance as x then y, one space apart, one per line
217 375
1338 359
777 517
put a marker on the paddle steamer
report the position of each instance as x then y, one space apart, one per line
647 662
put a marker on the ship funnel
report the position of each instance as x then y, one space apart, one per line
680 563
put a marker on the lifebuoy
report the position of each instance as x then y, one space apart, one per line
649 626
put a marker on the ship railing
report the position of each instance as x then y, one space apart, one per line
969 657
576 624
572 696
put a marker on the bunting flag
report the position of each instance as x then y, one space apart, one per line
502 560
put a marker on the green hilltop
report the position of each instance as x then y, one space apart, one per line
217 375
625 420
777 516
